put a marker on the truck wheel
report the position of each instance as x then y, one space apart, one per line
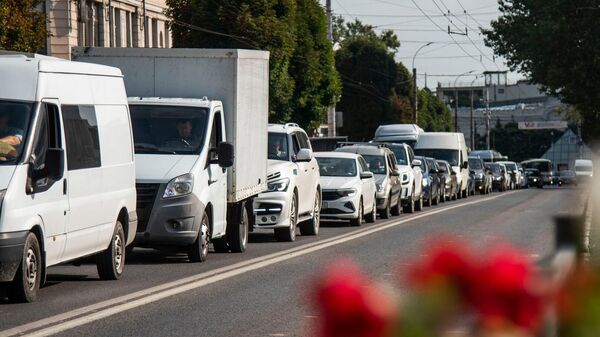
111 262
372 217
289 234
25 285
311 227
198 251
419 204
237 234
358 221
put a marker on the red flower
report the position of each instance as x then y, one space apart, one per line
448 264
352 306
504 291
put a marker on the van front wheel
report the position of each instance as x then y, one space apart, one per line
111 262
198 251
26 283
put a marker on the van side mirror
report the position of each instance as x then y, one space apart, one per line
226 153
304 155
416 163
52 170
366 175
395 173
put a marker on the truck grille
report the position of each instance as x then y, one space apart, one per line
146 194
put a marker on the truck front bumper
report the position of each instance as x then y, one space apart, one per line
11 253
169 222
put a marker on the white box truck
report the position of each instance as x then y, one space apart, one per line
192 111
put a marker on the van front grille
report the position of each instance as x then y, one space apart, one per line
146 194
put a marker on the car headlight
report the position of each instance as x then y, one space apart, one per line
497 178
179 186
425 182
280 185
379 187
405 178
479 175
347 193
535 180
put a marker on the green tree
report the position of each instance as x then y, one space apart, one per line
22 26
556 43
317 85
303 78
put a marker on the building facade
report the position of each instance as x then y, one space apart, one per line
105 23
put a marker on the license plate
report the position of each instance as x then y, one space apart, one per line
325 204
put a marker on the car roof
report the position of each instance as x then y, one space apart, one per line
364 150
285 128
332 154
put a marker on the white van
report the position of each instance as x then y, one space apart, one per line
67 175
584 169
448 146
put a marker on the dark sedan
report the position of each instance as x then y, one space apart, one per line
431 180
448 182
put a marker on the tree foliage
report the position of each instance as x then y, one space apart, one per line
22 26
556 43
303 81
376 89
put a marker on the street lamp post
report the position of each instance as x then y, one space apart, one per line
415 88
471 125
456 99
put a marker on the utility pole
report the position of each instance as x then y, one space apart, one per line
472 135
415 97
455 109
487 118
331 122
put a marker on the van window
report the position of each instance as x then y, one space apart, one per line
81 134
295 143
451 156
15 118
47 135
216 134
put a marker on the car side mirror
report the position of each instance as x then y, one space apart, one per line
395 173
453 173
226 153
472 172
465 165
366 175
503 172
304 155
52 170
416 163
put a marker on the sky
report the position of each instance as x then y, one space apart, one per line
450 54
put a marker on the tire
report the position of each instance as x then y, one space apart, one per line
27 281
410 207
419 204
289 234
311 227
237 234
358 221
386 213
396 210
111 262
428 202
372 217
198 251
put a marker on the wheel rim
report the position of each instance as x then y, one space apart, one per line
118 253
360 213
31 268
244 229
204 238
317 211
293 218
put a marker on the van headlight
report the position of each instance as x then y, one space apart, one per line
179 186
280 185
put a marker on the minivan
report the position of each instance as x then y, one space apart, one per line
67 175
451 147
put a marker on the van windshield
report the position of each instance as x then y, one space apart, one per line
160 129
541 165
451 156
14 124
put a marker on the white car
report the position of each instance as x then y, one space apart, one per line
349 191
293 198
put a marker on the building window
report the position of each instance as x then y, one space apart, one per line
167 36
154 33
118 29
99 24
128 29
135 18
501 90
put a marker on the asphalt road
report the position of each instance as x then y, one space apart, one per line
263 291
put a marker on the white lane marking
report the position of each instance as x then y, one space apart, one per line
94 312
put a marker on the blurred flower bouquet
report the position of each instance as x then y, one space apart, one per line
454 292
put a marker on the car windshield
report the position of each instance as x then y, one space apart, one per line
542 165
494 168
278 146
400 154
376 164
451 156
583 168
159 129
337 167
475 164
511 167
14 124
